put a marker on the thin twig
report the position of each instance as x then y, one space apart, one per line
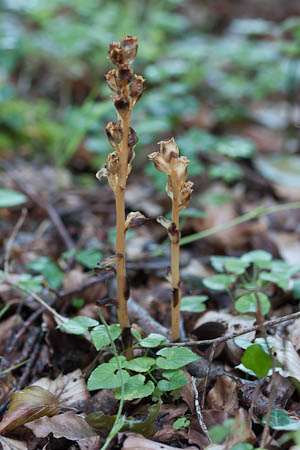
255 214
12 238
198 410
210 360
59 318
268 323
41 202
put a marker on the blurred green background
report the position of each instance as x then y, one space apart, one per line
222 77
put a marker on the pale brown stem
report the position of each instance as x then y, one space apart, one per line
175 253
122 294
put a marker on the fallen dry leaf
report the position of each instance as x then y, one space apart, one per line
91 443
68 389
294 334
138 442
223 396
68 425
288 357
12 444
27 405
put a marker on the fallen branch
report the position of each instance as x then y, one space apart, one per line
219 340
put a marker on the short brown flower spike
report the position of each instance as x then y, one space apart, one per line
127 89
167 160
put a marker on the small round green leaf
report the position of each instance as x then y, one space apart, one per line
280 420
257 360
219 282
79 325
100 337
176 379
175 357
248 303
135 387
9 198
106 376
153 340
193 303
142 364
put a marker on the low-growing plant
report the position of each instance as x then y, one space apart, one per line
248 278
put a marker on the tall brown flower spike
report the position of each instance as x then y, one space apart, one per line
167 160
127 89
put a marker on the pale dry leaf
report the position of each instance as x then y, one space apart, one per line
91 443
138 442
68 425
294 334
288 357
29 404
12 444
69 389
288 245
223 396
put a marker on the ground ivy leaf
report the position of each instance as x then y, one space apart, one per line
193 303
175 380
256 257
280 420
257 360
181 422
153 340
27 405
281 278
135 387
79 325
175 357
9 198
100 337
219 282
106 376
142 364
248 303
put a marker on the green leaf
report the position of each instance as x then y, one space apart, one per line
226 171
280 420
248 303
153 340
180 423
257 360
218 433
244 446
236 147
175 357
142 364
219 282
106 376
296 289
176 379
52 273
193 303
79 324
257 257
9 198
88 258
135 387
282 279
192 212
100 337
31 283
136 334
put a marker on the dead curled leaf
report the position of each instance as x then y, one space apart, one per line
68 389
138 442
12 444
68 425
27 405
223 396
288 357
